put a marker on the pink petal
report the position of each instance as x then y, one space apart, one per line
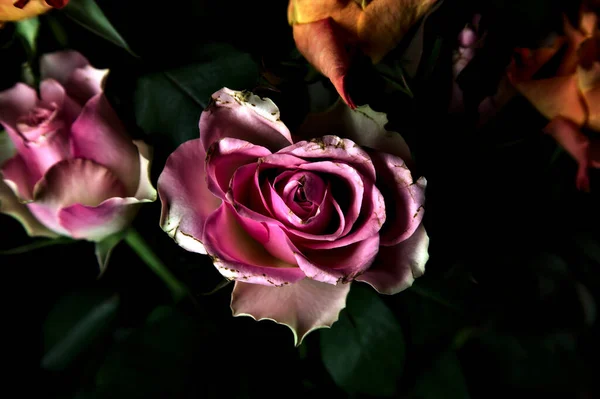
243 115
245 191
15 102
77 181
99 135
362 126
17 176
321 43
186 199
304 306
10 205
52 93
404 199
238 256
85 83
334 148
60 65
224 158
340 264
95 223
347 185
396 267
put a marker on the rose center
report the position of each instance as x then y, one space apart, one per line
39 124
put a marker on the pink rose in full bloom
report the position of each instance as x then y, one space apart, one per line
68 167
294 220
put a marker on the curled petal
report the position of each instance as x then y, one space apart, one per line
362 126
15 102
321 43
10 205
333 147
404 199
224 158
99 135
341 264
77 181
74 72
237 255
304 306
396 267
60 65
95 223
245 116
589 83
53 95
17 176
186 200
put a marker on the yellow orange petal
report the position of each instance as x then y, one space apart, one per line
376 26
8 12
554 97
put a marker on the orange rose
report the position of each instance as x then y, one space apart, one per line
569 96
323 29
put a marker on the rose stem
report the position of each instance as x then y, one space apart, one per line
143 250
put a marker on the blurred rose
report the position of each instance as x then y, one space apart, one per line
324 31
11 10
568 94
294 221
68 166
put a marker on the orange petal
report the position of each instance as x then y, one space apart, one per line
557 96
8 11
377 25
589 84
321 44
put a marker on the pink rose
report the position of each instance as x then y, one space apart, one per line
68 166
292 222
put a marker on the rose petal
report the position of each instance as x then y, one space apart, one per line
304 306
53 94
10 205
15 102
85 83
553 97
321 43
224 158
17 176
186 200
60 65
339 264
335 148
77 181
240 257
362 126
145 190
396 267
243 115
95 223
404 199
99 135
8 12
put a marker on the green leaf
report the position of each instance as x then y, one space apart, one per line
28 29
88 14
67 338
364 350
169 103
444 379
172 356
